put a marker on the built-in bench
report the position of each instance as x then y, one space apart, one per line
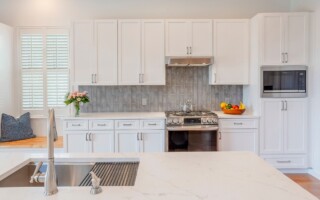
38 144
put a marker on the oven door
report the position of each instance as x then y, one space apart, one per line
192 140
284 81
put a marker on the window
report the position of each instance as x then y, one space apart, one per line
44 64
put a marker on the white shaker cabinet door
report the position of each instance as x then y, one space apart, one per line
129 61
107 52
201 41
153 49
271 141
231 52
77 142
84 52
295 126
297 31
127 141
102 141
178 37
272 39
152 141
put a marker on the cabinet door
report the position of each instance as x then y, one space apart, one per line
178 37
107 52
102 141
238 140
129 36
84 51
153 58
297 38
295 126
127 141
272 39
201 38
76 142
152 141
271 141
231 52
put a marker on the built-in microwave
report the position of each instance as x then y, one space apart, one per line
284 81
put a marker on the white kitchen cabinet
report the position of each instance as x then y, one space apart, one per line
231 52
284 38
95 52
127 141
238 135
189 38
141 52
102 142
152 141
76 142
284 130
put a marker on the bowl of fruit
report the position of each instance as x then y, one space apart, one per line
230 109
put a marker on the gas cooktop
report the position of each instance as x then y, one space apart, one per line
190 114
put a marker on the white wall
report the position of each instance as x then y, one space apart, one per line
314 80
62 12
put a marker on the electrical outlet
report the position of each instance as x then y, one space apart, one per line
144 101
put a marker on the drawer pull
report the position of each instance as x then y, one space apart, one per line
239 124
127 124
76 125
101 124
152 124
283 161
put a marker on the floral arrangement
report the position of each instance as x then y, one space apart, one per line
76 98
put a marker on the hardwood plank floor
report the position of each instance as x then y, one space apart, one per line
308 182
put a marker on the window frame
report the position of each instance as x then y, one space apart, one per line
44 30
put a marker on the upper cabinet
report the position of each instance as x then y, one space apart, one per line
189 38
95 52
141 52
231 52
284 38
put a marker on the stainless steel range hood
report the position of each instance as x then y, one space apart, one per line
189 62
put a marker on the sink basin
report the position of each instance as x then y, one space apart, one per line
68 174
77 174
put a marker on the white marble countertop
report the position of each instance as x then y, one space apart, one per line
245 115
173 176
119 115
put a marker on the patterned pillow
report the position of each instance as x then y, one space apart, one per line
16 129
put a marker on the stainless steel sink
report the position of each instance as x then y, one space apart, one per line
68 174
77 174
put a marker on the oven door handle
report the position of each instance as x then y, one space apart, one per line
193 128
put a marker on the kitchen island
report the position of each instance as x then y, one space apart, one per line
172 176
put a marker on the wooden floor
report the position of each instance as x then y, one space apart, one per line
308 182
38 142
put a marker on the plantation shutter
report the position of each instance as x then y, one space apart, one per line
57 54
32 71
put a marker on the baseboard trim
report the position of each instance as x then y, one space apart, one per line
314 173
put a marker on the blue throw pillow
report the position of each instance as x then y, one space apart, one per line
16 129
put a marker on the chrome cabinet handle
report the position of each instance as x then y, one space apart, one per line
127 124
215 77
187 50
90 136
286 58
101 124
76 125
141 136
286 105
92 79
236 123
282 58
220 136
283 161
190 50
154 124
86 136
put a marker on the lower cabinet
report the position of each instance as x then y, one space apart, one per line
238 135
89 142
139 141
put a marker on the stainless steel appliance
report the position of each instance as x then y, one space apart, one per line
284 81
192 131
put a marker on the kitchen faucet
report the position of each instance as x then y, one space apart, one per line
49 178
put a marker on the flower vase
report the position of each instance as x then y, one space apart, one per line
77 108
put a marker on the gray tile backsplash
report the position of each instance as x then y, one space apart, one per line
182 83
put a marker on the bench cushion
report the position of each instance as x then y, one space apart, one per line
13 129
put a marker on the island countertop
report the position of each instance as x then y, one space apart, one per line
172 176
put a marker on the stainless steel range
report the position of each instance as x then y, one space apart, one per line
192 131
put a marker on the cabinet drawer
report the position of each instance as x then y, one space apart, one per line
101 124
238 123
152 124
285 162
75 125
127 124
